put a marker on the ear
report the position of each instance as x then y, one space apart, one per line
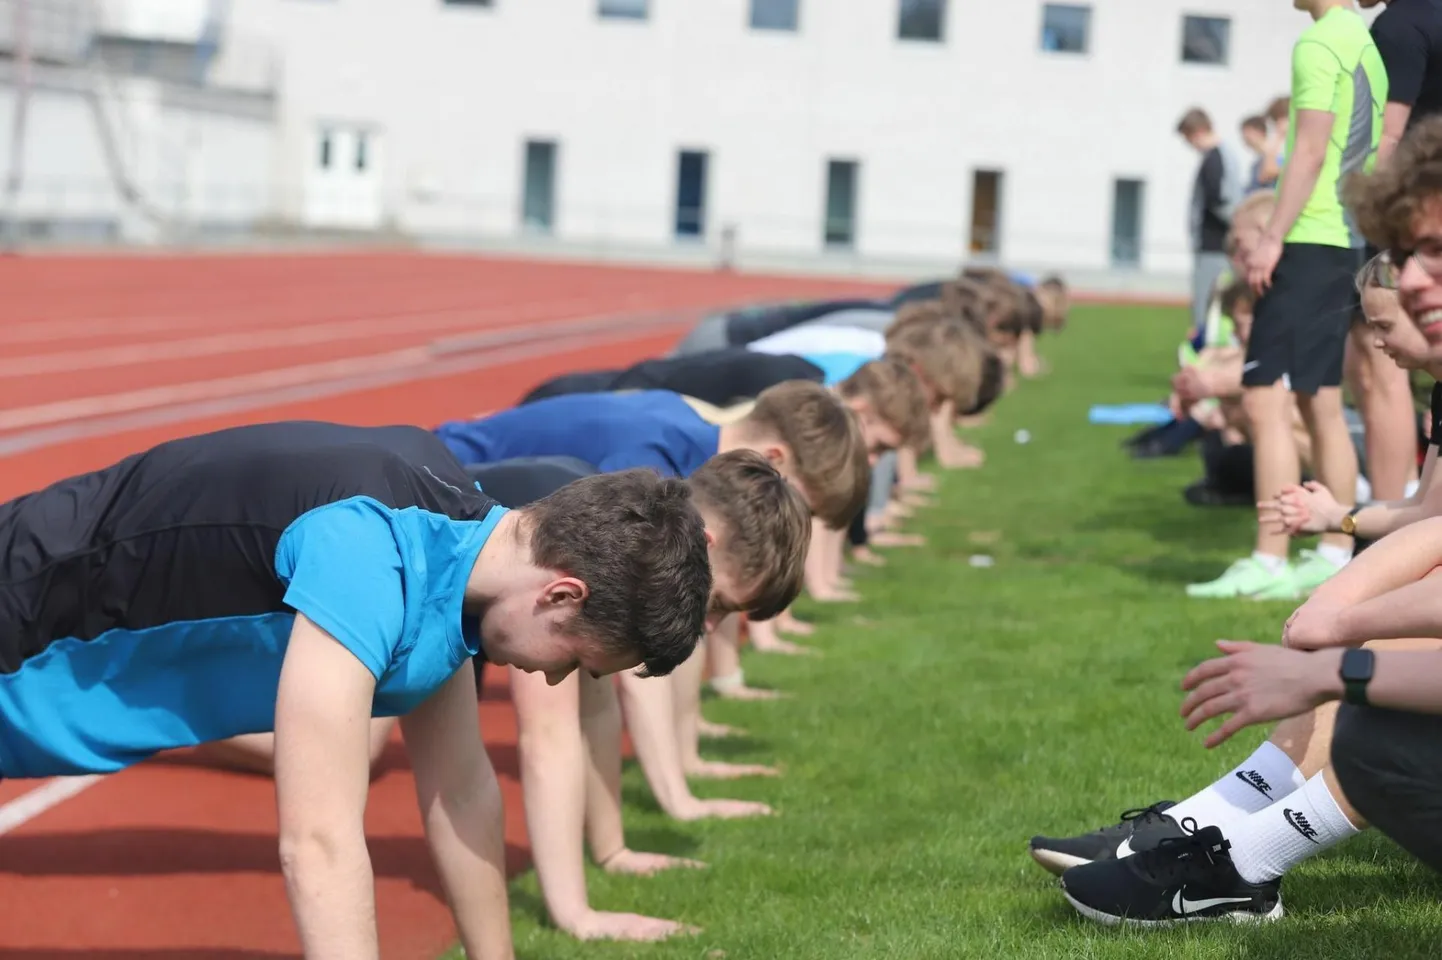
565 591
777 455
710 538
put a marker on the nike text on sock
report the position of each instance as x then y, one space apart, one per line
1306 822
1271 563
1254 784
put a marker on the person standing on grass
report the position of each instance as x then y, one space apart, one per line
1219 187
301 578
1304 268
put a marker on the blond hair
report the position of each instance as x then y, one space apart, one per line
896 395
765 527
946 352
826 445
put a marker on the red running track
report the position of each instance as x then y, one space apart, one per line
101 357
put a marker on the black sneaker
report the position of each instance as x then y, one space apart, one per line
1139 829
1182 879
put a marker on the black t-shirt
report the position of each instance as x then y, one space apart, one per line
1437 414
748 326
1210 226
1408 35
719 377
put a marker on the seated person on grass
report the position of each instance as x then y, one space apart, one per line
1222 853
1323 775
802 428
303 577
1311 508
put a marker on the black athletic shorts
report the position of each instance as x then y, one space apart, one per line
1300 325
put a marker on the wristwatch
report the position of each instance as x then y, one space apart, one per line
1349 522
1356 672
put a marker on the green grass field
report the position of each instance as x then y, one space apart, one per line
958 710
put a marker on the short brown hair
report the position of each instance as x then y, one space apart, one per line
1194 121
765 527
895 392
1279 109
1258 123
1055 302
1387 201
1253 212
1237 296
825 442
638 542
945 351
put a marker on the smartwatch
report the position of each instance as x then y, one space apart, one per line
1357 664
1349 522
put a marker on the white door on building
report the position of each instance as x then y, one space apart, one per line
343 177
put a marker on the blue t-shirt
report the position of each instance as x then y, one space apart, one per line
149 605
836 367
612 431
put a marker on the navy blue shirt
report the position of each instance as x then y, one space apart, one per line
148 605
611 431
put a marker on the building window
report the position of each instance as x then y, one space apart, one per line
623 9
362 142
538 189
1128 198
691 194
324 157
467 3
1206 39
775 14
922 20
840 228
1065 28
986 212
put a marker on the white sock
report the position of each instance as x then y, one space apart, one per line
1335 555
1268 844
1273 564
1254 784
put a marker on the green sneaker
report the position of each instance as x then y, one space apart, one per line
1245 578
1310 573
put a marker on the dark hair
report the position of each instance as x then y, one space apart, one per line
1255 123
638 542
1387 201
765 527
1193 121
1279 109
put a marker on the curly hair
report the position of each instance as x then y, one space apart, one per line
1388 201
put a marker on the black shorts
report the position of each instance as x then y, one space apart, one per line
1299 330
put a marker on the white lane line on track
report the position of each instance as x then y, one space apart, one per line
28 806
437 366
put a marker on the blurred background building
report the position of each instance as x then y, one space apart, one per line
864 136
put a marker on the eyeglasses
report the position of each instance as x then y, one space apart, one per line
1427 251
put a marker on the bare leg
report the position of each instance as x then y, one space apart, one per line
255 752
1385 396
1275 454
1332 448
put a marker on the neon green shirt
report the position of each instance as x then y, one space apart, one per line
1336 68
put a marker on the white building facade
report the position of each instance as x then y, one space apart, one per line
895 134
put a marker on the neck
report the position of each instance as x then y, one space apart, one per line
504 552
1320 8
733 436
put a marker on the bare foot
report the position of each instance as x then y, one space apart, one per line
697 809
835 595
599 925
